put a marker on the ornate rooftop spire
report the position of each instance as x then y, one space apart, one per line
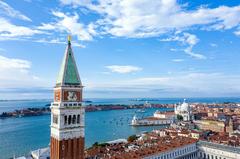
68 74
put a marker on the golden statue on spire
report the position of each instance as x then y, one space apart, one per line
69 38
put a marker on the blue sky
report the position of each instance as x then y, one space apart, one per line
123 48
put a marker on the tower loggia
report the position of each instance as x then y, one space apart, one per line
67 112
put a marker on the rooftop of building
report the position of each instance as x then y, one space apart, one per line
150 145
165 113
218 146
224 138
153 118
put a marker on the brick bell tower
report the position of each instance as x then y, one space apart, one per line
67 112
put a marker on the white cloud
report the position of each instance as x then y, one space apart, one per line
128 18
187 39
7 63
237 32
76 3
18 82
178 60
213 45
16 73
9 30
71 25
192 40
202 82
133 18
189 51
123 69
174 50
47 27
9 11
183 84
58 41
147 18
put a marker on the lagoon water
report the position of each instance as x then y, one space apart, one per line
20 135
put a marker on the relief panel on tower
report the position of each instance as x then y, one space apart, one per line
57 96
72 96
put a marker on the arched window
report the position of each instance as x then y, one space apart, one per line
65 120
69 119
74 119
78 119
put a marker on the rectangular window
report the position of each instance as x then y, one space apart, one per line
55 119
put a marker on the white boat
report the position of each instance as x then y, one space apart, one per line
150 121
140 111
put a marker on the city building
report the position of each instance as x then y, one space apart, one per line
229 126
210 150
215 125
183 110
148 147
169 143
43 153
164 115
67 112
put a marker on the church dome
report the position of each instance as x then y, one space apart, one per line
184 107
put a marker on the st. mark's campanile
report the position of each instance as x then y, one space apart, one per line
67 111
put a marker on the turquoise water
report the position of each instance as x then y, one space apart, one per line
20 135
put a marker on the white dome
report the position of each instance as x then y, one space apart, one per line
184 107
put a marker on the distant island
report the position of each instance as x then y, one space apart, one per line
26 112
89 108
106 107
144 99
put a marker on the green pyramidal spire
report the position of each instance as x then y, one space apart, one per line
68 74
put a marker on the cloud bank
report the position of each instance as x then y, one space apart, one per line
123 69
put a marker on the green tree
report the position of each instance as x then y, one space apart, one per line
179 117
132 138
95 144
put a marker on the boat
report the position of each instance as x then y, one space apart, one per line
140 111
150 121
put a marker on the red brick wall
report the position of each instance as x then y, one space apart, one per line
67 149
